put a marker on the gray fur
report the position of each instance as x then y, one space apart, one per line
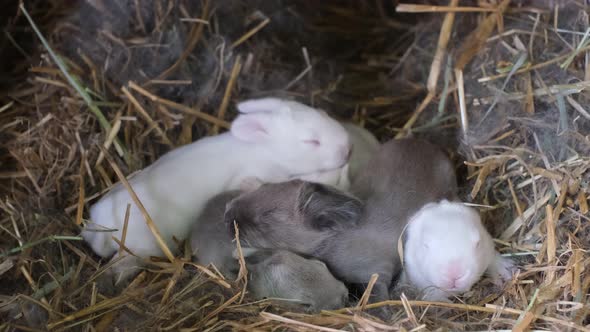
364 145
211 241
295 215
401 177
273 273
284 274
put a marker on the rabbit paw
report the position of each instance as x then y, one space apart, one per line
501 270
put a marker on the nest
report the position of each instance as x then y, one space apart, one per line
503 84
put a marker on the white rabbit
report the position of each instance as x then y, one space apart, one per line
272 139
364 145
447 250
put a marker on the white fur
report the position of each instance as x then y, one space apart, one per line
364 145
452 232
269 141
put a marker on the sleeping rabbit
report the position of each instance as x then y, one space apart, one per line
364 145
272 139
283 274
406 181
273 273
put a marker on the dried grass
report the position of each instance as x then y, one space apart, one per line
507 89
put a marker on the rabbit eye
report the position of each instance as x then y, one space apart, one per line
312 142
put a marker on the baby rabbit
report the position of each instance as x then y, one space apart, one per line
447 250
364 145
276 273
272 272
446 247
272 139
402 178
317 220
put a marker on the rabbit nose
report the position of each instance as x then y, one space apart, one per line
454 272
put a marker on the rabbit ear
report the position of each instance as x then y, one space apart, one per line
262 105
326 208
253 127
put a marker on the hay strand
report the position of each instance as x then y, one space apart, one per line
510 108
150 223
